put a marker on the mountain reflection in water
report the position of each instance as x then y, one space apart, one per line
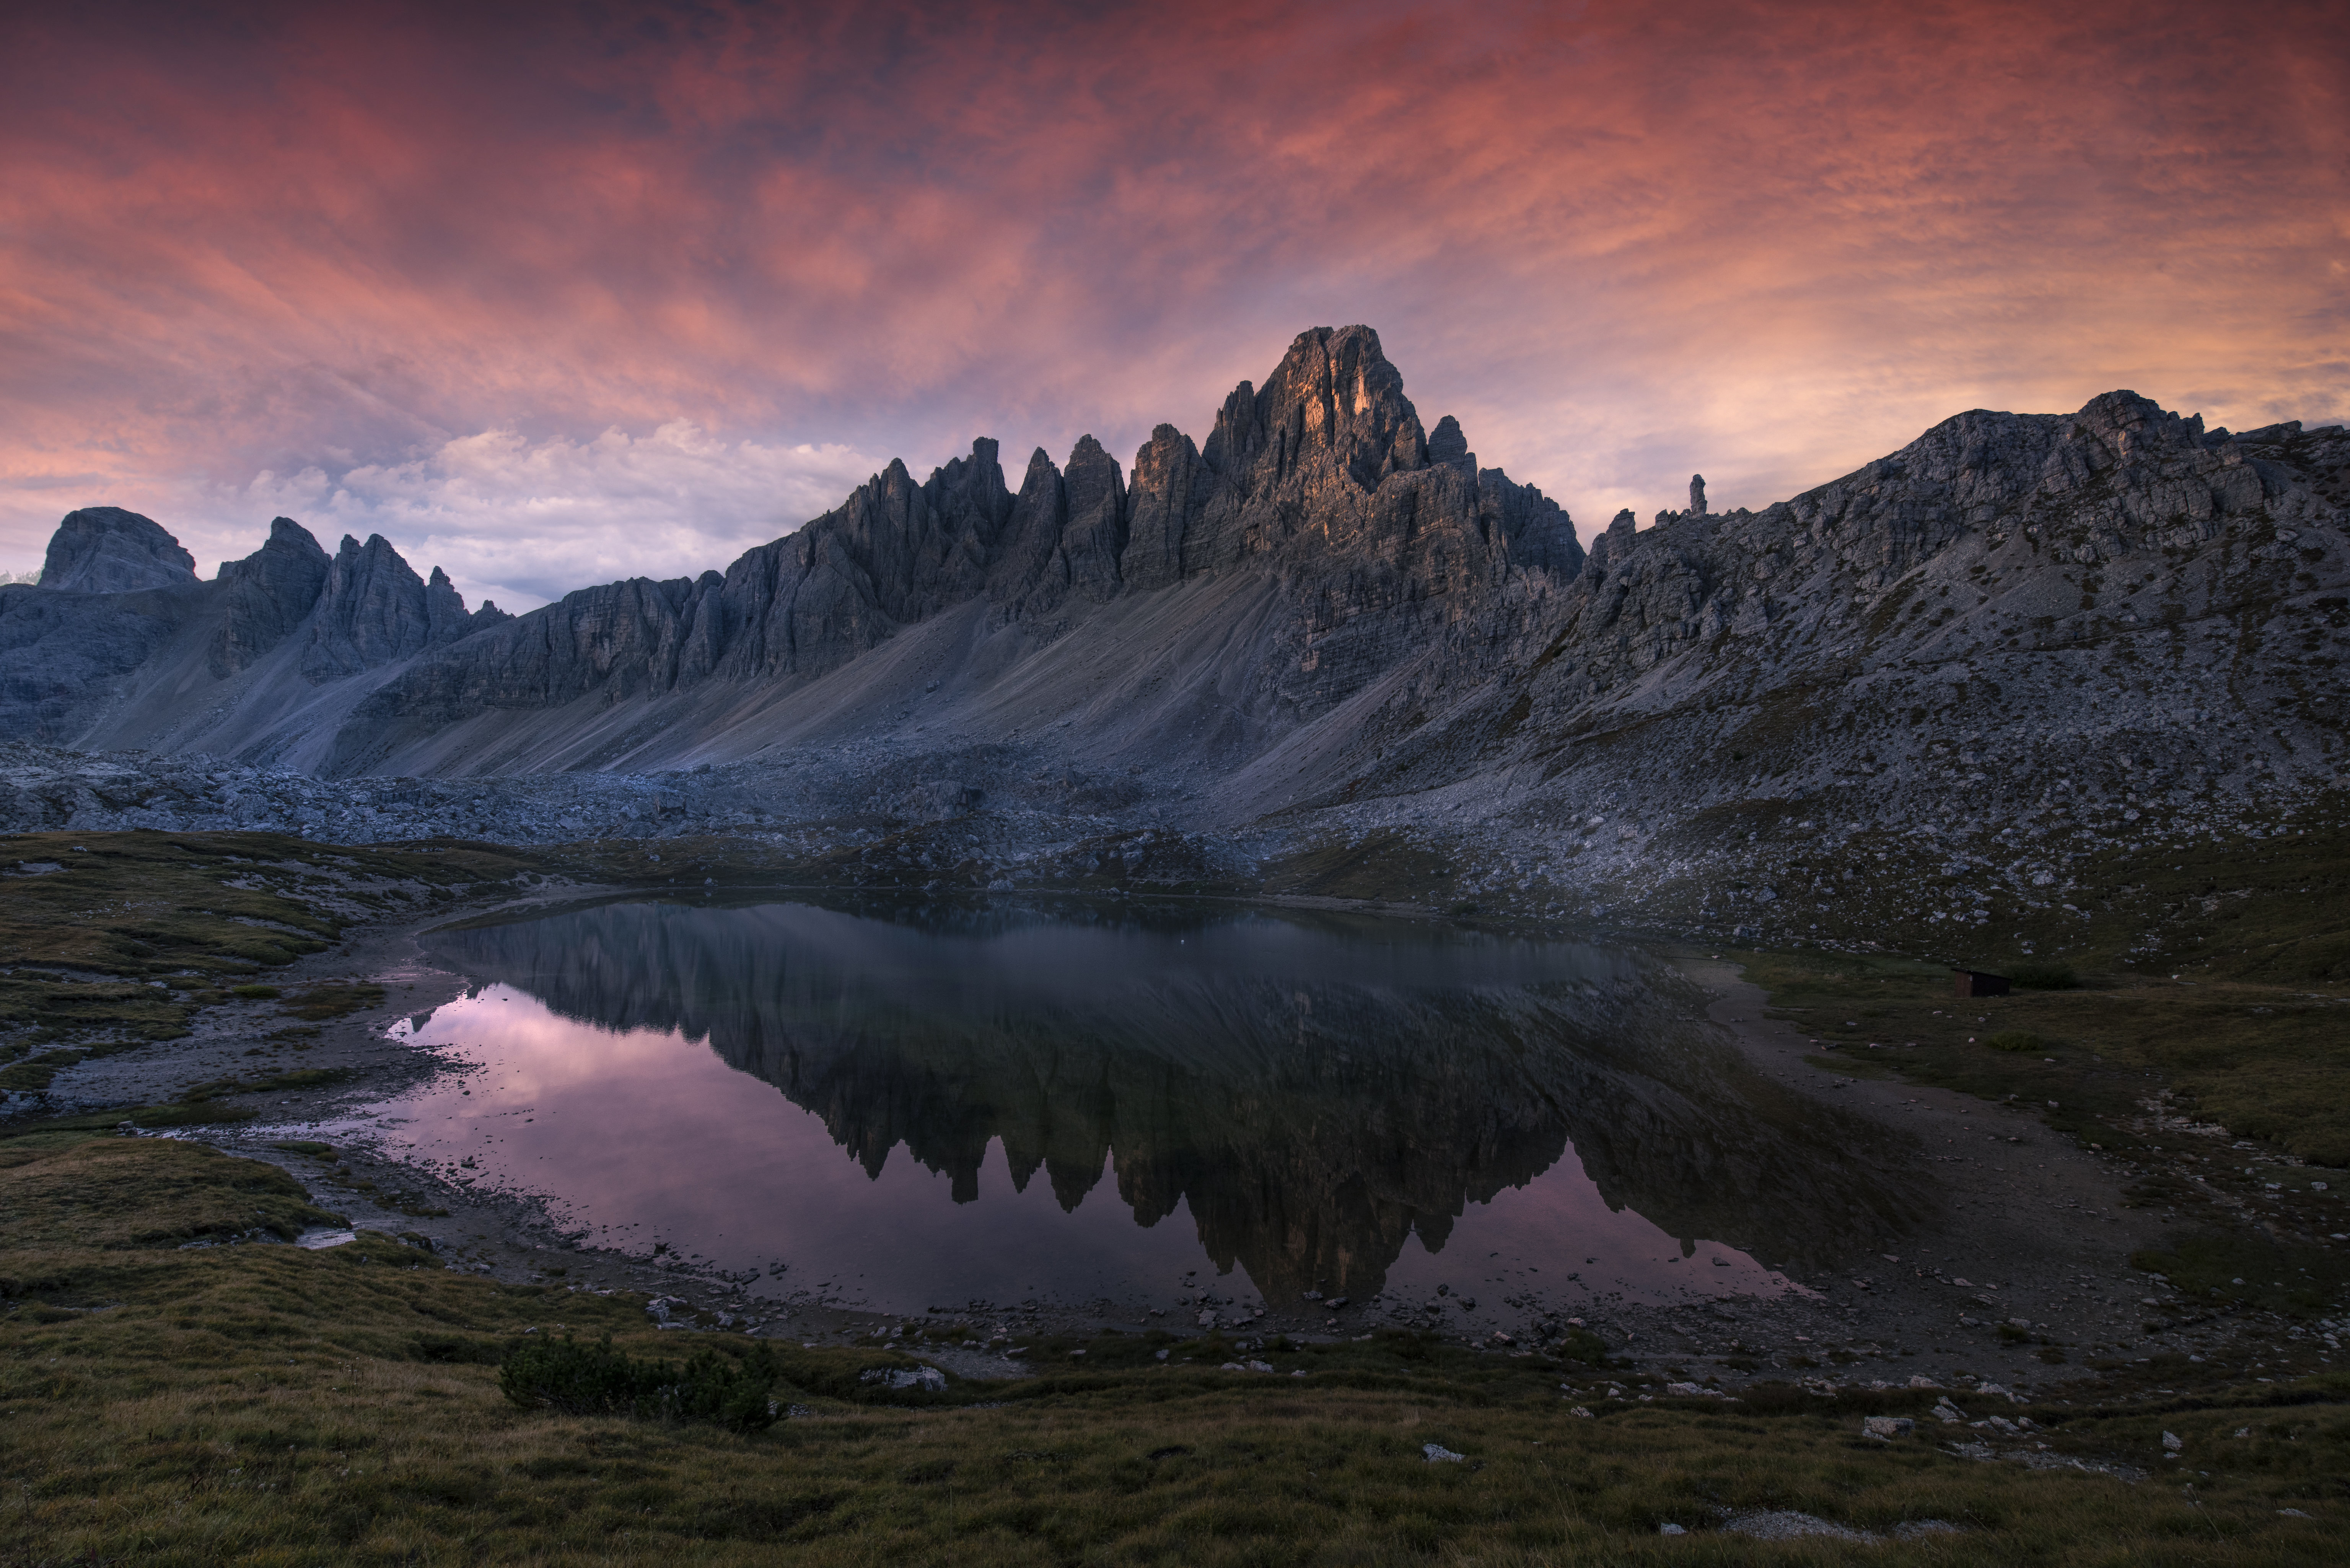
1317 1088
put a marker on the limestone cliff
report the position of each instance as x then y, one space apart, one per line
2004 573
266 595
106 550
1323 481
123 645
1326 617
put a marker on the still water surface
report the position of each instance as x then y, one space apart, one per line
896 1108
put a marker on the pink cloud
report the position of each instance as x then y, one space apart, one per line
1620 242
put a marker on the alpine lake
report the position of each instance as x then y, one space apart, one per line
1121 1107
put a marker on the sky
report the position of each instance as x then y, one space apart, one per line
549 295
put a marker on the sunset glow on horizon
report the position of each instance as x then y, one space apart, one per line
550 295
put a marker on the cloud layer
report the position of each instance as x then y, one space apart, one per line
1767 240
526 522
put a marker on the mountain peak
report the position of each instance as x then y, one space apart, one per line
106 550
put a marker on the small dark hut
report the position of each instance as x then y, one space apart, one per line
1974 982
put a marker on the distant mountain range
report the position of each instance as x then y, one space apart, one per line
2107 622
1320 526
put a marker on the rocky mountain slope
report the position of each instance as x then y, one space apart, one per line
1318 535
2021 639
120 644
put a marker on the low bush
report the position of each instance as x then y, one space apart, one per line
257 992
596 1380
2015 1040
2044 974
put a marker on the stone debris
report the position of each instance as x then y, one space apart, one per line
1785 1525
1888 1427
2042 1459
927 1379
1437 1454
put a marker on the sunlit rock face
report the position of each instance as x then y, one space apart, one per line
1321 482
1315 1091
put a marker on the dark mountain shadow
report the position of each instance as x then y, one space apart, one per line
1318 1087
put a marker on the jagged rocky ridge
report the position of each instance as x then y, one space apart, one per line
1358 533
2019 638
120 642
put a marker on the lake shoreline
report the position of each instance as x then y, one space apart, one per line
2014 1215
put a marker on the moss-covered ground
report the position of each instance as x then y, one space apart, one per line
257 1403
2229 1099
111 942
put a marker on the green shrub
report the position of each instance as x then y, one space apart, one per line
2015 1040
596 1380
2045 974
257 992
456 1349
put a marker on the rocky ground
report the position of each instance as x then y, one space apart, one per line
1862 863
1932 703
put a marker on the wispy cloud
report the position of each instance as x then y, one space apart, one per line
524 521
1621 241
